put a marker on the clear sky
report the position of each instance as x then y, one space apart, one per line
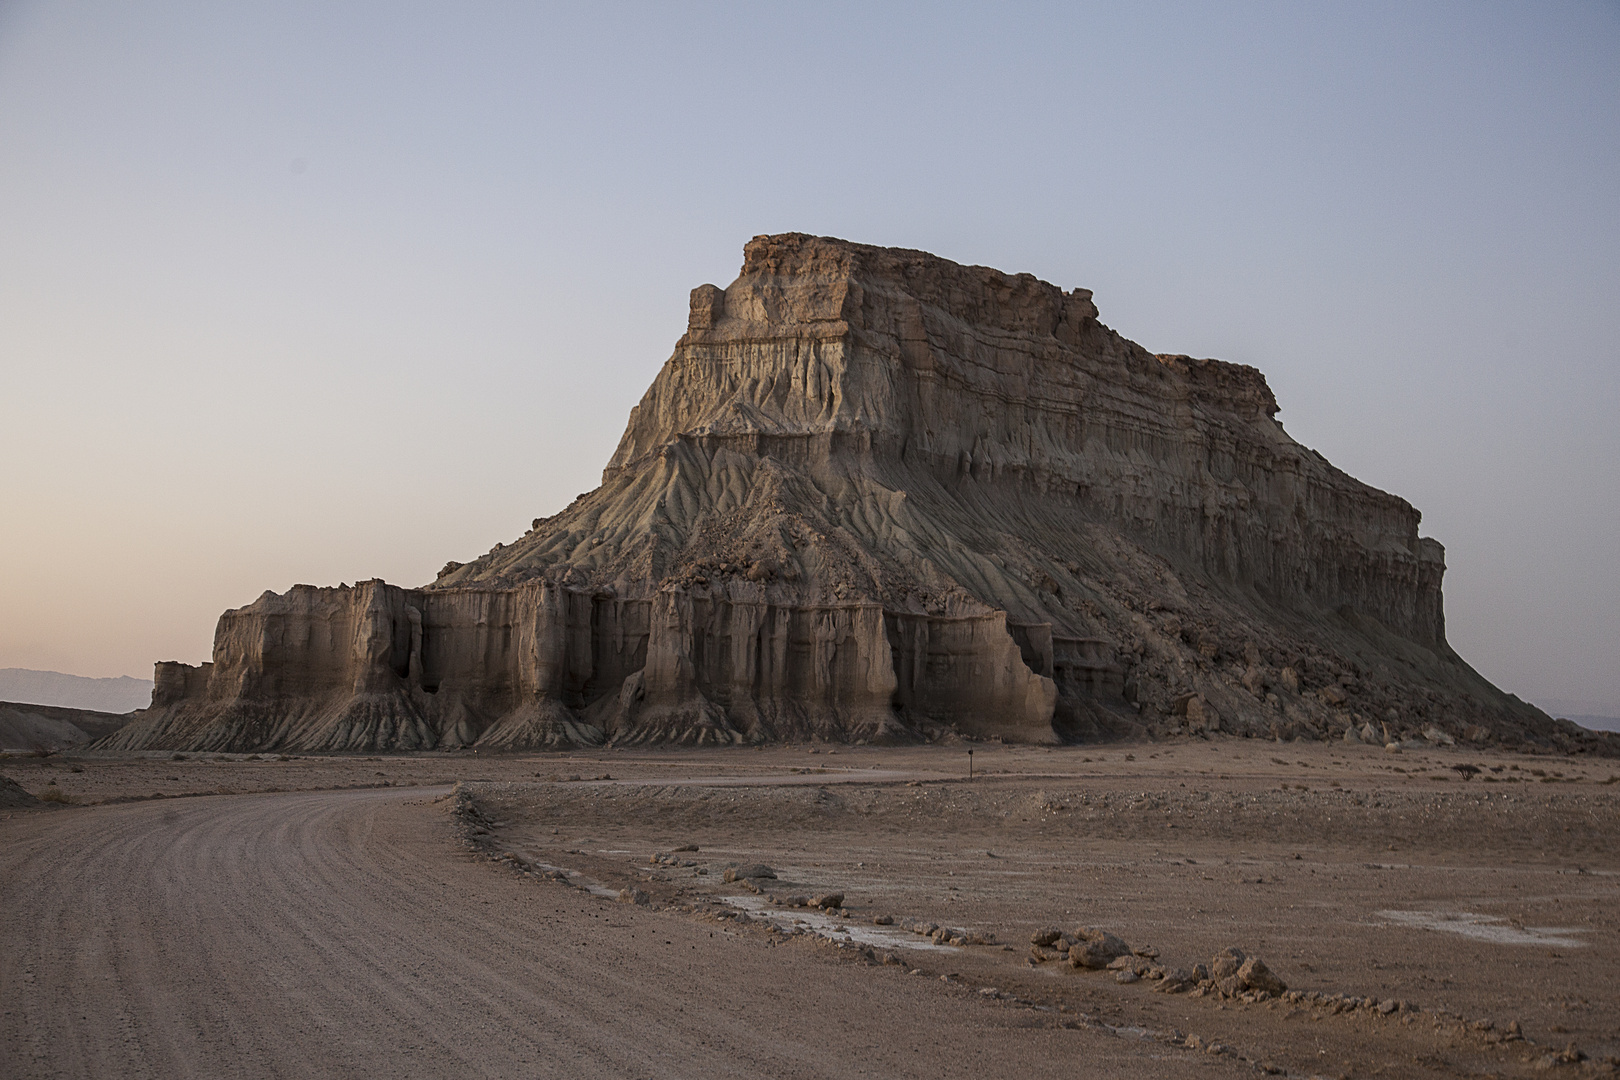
321 292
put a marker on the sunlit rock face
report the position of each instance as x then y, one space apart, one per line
875 495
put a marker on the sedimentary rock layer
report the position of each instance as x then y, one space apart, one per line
876 495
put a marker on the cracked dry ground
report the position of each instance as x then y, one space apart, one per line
1475 904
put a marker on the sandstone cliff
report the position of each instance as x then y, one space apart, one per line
876 495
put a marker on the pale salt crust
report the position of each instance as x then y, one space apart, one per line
1492 928
886 937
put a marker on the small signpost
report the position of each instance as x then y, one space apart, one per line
970 763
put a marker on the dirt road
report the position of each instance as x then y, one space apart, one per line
344 933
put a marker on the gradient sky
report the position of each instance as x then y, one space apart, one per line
322 292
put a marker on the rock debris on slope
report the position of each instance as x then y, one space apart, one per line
875 495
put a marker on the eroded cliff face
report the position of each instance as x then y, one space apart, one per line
876 495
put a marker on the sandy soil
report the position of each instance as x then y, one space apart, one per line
338 928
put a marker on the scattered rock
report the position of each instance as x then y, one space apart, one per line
1225 964
826 901
1233 973
740 873
1129 963
633 895
1045 937
1176 981
1095 949
1254 975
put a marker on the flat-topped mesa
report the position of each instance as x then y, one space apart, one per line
833 357
876 495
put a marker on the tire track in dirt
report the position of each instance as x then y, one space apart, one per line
343 933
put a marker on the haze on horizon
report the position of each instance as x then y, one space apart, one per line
302 294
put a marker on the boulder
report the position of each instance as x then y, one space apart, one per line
1176 981
1226 963
1095 949
1201 715
1233 972
1254 975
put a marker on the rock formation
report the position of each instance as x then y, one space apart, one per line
875 495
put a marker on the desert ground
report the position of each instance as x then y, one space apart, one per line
1433 912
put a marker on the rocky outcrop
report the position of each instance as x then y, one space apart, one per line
875 495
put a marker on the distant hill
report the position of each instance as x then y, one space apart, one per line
48 727
1597 723
121 695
